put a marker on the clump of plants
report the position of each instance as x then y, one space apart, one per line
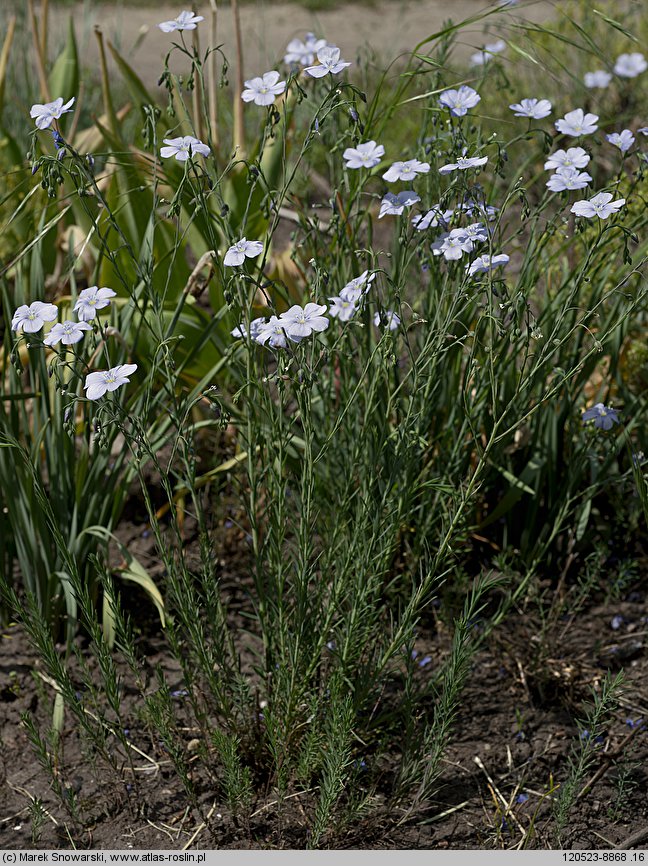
414 358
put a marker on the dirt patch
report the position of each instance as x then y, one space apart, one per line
512 742
389 28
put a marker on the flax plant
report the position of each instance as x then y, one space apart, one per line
371 451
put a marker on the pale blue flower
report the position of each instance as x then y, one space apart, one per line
303 321
388 318
573 157
67 332
630 65
432 218
478 208
237 253
604 417
487 52
185 21
486 263
263 90
452 245
459 101
30 319
535 108
406 170
394 205
576 123
92 299
329 62
598 78
97 384
344 306
365 155
273 333
463 163
601 205
568 178
255 327
357 287
45 114
304 52
476 232
623 140
183 147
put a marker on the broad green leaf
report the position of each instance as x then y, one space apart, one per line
136 88
583 520
132 570
519 486
64 77
4 58
58 715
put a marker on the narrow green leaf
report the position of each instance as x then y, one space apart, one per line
616 25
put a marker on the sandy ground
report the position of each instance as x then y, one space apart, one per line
391 27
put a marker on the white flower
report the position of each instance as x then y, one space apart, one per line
389 319
264 90
183 147
643 130
485 263
30 319
598 78
343 307
432 218
396 204
45 114
185 21
96 384
459 101
90 300
301 322
303 52
365 155
329 62
568 178
601 205
630 65
356 287
274 333
573 157
67 333
237 252
406 170
462 163
487 52
577 123
623 140
535 108
255 326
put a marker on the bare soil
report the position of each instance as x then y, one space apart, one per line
390 28
516 728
